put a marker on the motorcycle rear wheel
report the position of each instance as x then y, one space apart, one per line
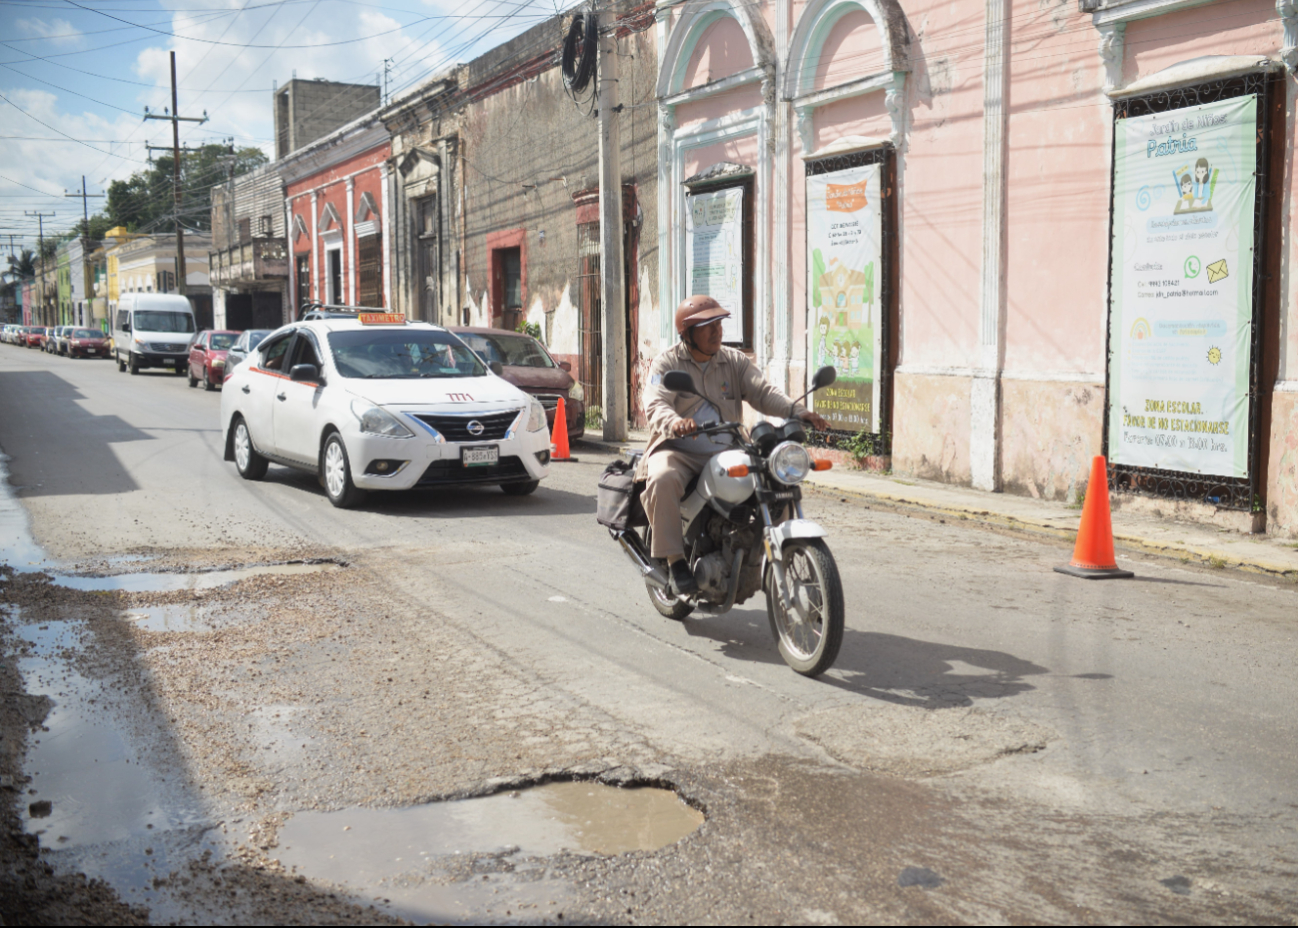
810 646
668 606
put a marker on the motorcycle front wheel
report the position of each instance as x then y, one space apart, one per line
809 637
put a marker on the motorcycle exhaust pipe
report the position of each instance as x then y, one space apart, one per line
634 549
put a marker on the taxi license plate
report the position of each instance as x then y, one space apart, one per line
474 457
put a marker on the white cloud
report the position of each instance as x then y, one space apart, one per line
58 31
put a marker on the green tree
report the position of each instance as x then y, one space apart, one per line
145 201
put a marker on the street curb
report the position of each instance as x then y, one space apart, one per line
1125 541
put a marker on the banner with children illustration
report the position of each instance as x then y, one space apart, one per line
1180 320
844 233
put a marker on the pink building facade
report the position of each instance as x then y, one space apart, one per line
336 200
985 134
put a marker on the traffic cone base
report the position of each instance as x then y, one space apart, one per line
559 434
1095 573
1093 557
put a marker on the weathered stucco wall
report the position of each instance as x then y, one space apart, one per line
1050 432
931 422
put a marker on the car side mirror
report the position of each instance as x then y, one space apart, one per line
565 367
496 367
824 377
307 372
678 382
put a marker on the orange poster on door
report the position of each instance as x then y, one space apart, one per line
845 198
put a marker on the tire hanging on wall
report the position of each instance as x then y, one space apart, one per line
579 53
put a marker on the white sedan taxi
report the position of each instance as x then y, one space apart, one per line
375 402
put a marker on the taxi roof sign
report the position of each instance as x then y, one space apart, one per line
382 318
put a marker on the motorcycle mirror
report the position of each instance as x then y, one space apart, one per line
678 382
824 377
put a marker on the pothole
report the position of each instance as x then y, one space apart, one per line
427 861
173 582
87 784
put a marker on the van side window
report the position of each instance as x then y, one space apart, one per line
124 320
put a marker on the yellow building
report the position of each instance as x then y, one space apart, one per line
114 238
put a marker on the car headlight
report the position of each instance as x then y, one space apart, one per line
789 462
378 421
577 393
218 362
536 417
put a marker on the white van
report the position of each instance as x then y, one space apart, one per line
152 330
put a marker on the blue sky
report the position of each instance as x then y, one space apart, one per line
77 74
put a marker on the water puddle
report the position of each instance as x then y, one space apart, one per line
173 582
403 853
188 617
88 785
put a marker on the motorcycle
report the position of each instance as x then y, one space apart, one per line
745 531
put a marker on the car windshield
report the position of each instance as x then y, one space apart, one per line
509 350
222 341
87 333
401 354
159 321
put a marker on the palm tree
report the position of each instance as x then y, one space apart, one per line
24 265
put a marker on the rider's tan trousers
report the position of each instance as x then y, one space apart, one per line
669 472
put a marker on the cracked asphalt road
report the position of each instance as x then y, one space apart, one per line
997 742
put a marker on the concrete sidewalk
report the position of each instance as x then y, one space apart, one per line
1132 531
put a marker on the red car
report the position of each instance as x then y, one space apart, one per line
207 357
528 366
35 336
87 343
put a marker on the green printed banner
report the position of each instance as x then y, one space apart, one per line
844 233
1181 313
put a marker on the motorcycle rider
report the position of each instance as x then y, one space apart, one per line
725 378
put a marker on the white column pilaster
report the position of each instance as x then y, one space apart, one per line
351 241
315 245
985 389
385 228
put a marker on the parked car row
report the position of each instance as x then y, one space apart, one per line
69 340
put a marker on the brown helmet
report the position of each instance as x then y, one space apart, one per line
698 310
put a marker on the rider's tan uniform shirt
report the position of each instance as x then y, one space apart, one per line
729 381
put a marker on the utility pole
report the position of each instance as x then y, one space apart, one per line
612 264
176 120
85 208
387 72
40 256
85 237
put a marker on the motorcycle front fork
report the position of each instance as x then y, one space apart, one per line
775 558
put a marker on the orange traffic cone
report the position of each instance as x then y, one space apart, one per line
559 435
1093 555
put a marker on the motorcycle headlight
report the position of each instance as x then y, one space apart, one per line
577 393
536 417
378 421
789 463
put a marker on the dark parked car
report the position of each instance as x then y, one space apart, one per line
242 347
207 355
86 343
527 365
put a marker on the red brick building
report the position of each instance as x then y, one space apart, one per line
336 203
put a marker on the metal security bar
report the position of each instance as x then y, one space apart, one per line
1238 493
591 361
880 442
